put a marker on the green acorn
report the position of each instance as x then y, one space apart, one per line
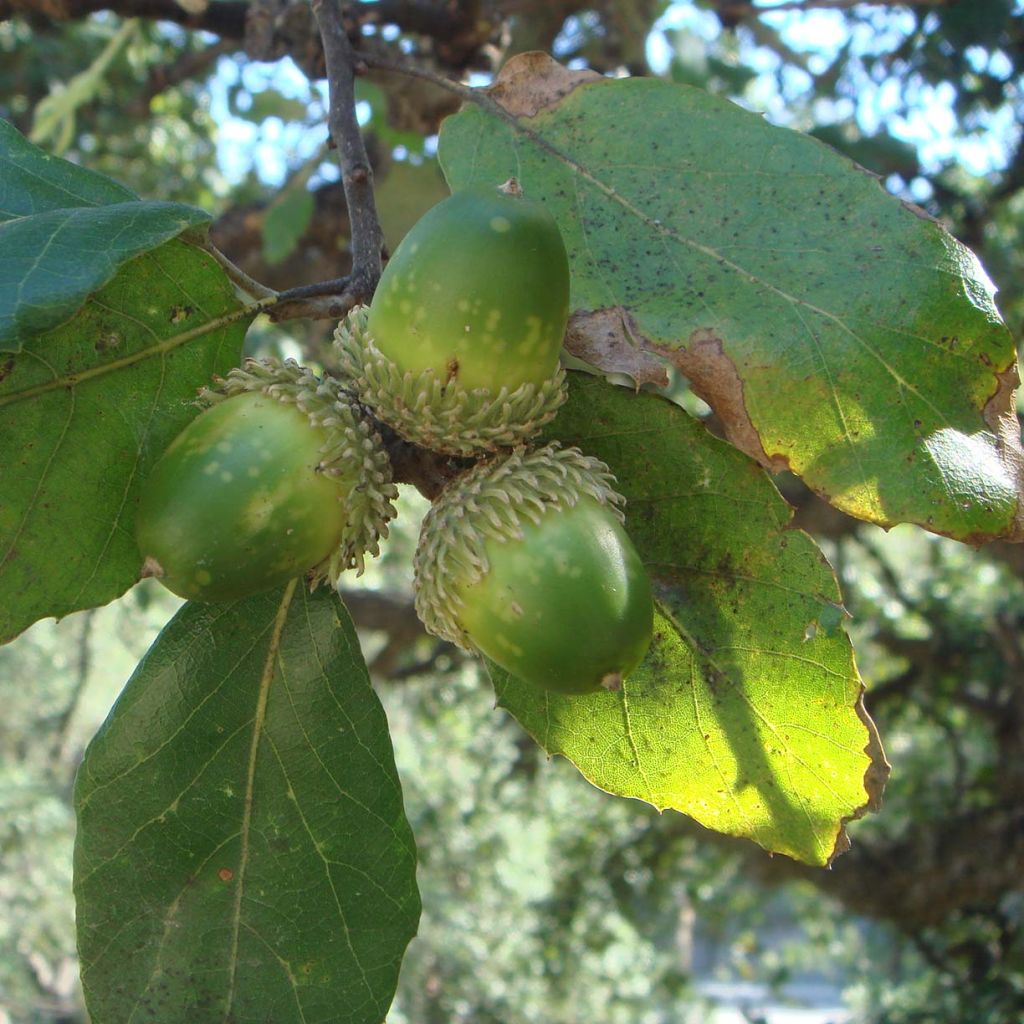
459 351
526 561
280 476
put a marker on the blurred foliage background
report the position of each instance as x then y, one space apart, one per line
544 899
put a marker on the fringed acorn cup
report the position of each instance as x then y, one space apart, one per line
459 351
280 477
525 560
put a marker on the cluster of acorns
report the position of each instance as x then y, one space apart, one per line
522 558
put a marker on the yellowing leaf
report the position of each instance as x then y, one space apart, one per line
747 713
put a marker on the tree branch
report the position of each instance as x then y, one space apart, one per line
367 238
225 18
735 10
456 27
374 57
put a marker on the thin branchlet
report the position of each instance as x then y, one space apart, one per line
367 238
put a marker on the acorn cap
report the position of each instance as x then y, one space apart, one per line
353 450
489 503
440 414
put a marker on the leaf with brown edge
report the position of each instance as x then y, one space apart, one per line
531 82
747 713
834 330
609 338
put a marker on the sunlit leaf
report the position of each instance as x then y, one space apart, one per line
834 330
747 712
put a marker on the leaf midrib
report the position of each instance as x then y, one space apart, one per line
72 380
269 666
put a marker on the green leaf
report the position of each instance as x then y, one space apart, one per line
381 114
55 260
85 409
32 181
64 233
242 851
285 222
270 103
835 331
747 713
405 194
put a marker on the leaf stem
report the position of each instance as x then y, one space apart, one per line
250 286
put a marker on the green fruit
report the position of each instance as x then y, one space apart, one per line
478 292
460 349
527 562
262 488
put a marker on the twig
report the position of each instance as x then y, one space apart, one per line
380 61
428 471
226 18
324 300
480 97
331 300
356 173
733 9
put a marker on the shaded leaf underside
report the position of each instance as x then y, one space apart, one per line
242 851
64 233
53 261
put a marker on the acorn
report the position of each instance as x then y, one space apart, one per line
459 350
525 560
279 477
